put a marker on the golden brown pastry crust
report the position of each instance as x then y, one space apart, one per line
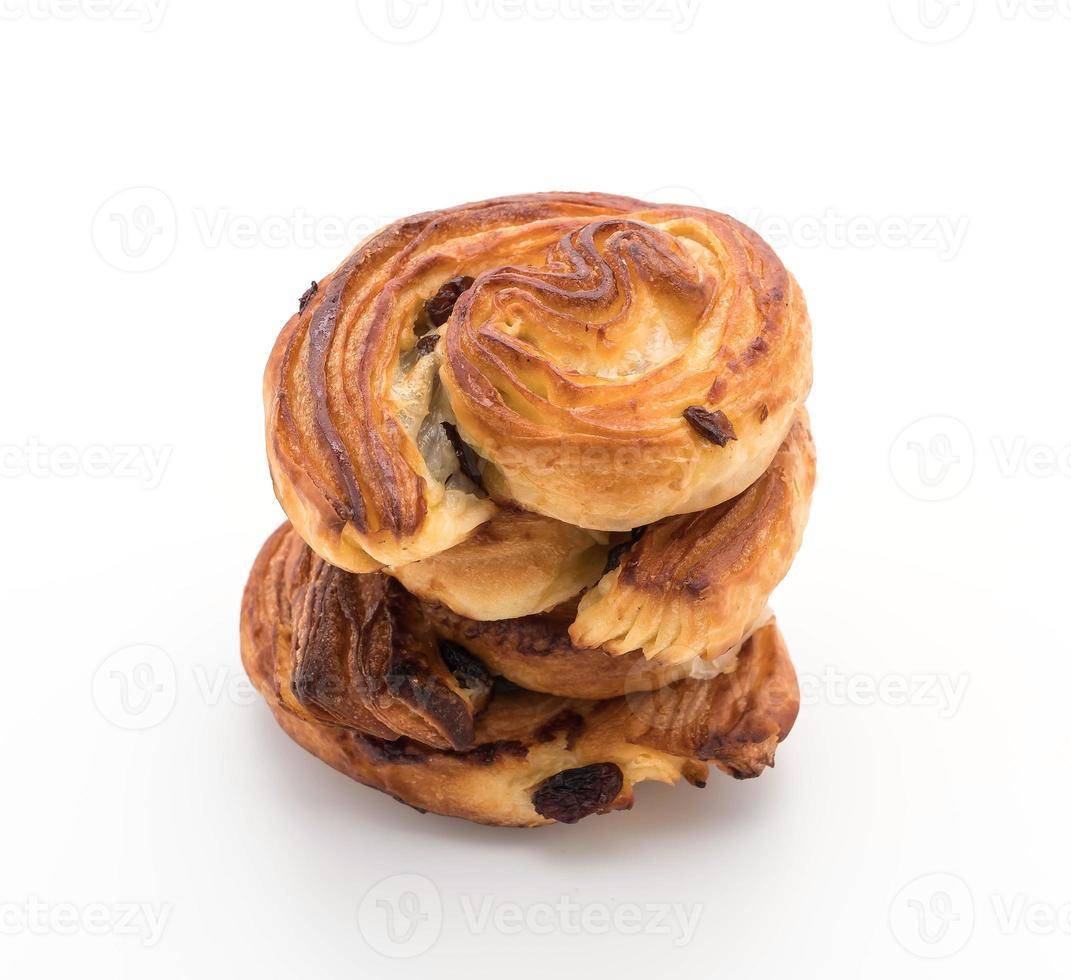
536 653
571 368
534 758
694 585
593 323
318 610
513 565
352 651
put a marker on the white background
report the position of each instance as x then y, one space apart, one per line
918 190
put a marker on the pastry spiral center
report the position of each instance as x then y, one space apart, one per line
615 299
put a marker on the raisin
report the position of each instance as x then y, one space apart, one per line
465 456
470 672
437 310
764 413
426 345
306 296
617 552
572 794
710 425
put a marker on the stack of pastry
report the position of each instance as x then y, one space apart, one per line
544 458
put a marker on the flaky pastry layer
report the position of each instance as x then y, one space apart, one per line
515 564
594 359
526 759
693 586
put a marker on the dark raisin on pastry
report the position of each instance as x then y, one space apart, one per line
465 456
572 794
436 311
426 344
617 552
710 425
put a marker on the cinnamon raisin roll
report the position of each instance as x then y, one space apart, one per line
481 750
595 360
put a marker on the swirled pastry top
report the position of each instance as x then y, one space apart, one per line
603 361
